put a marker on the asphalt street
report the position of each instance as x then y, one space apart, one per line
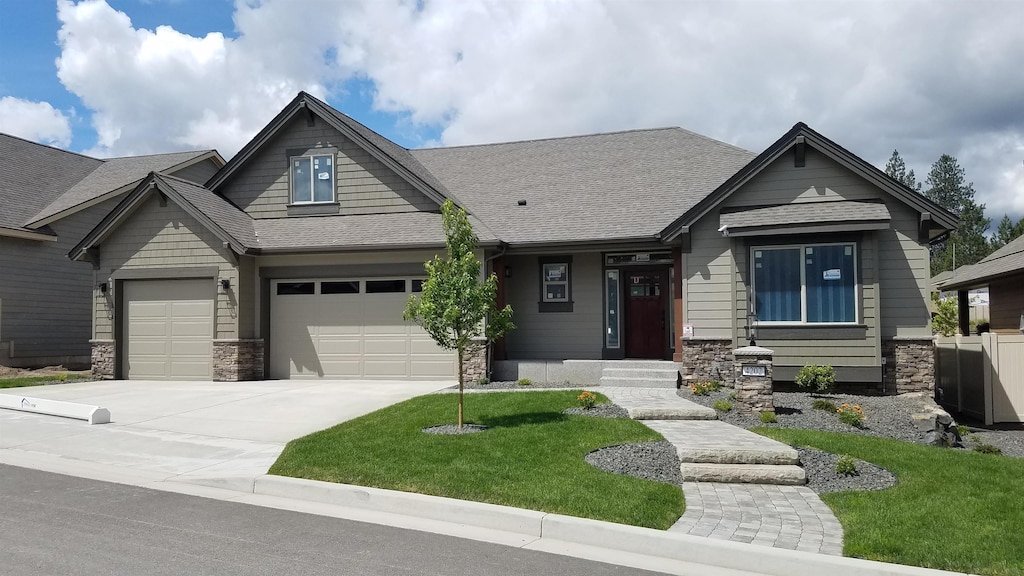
52 524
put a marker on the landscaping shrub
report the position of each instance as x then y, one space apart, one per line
946 320
846 466
852 415
704 388
731 396
817 378
825 405
483 381
963 430
723 405
524 382
768 417
586 400
987 449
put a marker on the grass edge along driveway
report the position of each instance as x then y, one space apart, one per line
531 457
952 509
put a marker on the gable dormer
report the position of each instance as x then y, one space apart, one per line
311 160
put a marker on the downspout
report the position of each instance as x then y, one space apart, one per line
487 350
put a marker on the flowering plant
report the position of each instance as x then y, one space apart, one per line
852 415
704 388
587 400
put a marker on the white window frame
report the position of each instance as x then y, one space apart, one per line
545 282
311 156
857 293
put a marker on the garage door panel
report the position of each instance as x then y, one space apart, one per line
169 329
350 336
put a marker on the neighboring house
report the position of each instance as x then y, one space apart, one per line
50 199
296 259
1003 273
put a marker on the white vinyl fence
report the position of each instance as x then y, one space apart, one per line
982 376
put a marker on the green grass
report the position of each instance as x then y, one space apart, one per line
31 381
952 509
531 457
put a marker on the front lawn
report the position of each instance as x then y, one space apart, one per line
952 509
34 381
531 457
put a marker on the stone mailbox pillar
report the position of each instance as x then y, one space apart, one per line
752 377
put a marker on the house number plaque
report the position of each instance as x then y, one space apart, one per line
754 370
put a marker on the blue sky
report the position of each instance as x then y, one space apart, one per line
136 77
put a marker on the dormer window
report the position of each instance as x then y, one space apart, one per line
312 178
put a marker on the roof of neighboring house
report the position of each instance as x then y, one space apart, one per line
941 278
357 232
33 175
579 188
1007 260
847 212
112 175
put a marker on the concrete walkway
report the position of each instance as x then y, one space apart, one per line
789 517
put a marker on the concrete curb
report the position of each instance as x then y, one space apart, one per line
581 531
87 412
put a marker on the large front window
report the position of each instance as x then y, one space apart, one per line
812 283
312 178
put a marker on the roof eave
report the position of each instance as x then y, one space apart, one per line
27 234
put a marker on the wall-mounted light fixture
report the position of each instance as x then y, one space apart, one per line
508 271
752 328
103 287
225 284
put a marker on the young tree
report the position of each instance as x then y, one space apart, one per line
896 168
947 186
456 307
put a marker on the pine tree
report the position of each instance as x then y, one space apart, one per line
896 168
948 187
1006 232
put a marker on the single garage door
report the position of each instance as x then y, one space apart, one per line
169 328
351 328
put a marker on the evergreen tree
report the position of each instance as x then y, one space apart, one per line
896 168
1006 232
948 187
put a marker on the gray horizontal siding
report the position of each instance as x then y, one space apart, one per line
904 275
709 297
166 237
365 185
45 297
820 179
555 335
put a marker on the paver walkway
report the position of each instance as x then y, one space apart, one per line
791 517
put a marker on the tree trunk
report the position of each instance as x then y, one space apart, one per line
460 388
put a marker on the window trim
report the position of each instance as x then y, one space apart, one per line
802 248
310 153
560 305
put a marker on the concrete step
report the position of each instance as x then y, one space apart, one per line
637 382
682 412
788 475
725 455
637 364
655 373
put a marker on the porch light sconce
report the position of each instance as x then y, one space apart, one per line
752 328
225 284
508 271
103 287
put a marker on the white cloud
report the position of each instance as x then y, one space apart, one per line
922 77
36 121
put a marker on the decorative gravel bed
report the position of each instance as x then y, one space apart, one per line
599 411
822 478
453 429
655 461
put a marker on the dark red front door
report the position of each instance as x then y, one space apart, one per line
645 313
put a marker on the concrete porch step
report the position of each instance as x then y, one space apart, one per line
657 373
718 442
656 403
787 475
637 382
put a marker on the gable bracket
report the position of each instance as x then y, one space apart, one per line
93 256
924 227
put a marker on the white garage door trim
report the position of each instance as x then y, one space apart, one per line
168 329
351 328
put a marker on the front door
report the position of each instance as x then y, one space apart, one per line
646 313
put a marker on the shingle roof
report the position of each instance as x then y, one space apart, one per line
33 175
360 231
1006 260
229 217
595 187
112 174
804 213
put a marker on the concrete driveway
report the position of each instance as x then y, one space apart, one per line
220 434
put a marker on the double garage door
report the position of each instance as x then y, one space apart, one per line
351 328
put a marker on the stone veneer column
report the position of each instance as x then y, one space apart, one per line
474 366
706 360
237 360
103 358
753 391
909 365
